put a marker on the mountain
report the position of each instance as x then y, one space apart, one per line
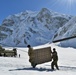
34 28
68 30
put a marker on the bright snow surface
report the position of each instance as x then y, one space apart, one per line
21 66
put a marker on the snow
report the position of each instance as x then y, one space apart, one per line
68 30
31 27
21 66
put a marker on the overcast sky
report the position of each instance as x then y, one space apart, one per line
10 7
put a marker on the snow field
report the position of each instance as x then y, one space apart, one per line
21 66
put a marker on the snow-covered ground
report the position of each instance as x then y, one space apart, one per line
21 66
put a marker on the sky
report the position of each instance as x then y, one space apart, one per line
10 7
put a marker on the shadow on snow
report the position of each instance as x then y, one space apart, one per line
66 68
62 68
30 68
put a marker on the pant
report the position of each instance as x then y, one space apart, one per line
54 63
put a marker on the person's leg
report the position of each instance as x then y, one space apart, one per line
56 65
52 65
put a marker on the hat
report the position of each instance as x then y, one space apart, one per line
28 46
54 49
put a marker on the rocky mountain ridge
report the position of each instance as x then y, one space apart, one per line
34 28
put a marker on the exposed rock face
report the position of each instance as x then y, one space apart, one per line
68 30
34 28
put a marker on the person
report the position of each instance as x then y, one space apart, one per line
19 55
55 59
30 53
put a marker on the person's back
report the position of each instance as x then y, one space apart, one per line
30 53
54 56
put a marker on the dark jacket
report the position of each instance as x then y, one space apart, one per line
30 52
54 56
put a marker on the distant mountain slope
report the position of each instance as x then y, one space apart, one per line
34 28
68 30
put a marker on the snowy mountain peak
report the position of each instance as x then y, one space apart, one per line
31 27
45 10
44 13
